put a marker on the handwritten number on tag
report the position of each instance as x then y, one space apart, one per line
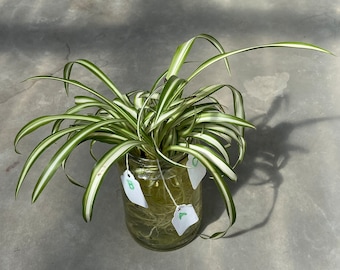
196 171
132 189
184 216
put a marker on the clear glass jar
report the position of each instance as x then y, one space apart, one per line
152 227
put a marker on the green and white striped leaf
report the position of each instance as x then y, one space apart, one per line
221 118
172 90
185 117
123 114
74 83
214 158
126 109
63 152
212 60
99 172
212 142
202 93
44 120
238 105
219 181
38 150
97 72
227 133
138 100
81 106
184 49
159 81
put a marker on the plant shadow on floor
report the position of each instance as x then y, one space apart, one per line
268 151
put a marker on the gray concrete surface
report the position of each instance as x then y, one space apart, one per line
288 191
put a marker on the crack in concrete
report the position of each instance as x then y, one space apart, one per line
53 73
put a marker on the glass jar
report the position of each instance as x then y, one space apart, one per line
152 227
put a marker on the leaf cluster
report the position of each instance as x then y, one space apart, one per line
156 124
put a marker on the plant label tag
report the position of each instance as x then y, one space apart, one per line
196 171
184 216
132 189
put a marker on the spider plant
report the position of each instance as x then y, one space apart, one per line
158 123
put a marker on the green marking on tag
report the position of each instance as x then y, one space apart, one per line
181 215
195 162
131 186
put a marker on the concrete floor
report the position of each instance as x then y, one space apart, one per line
287 194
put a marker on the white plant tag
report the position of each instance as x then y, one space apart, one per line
196 171
184 216
132 189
